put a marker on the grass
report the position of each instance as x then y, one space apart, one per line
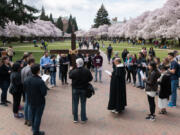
161 53
20 48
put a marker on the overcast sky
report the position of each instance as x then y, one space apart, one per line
85 10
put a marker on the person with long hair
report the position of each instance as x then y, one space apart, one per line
5 71
16 89
151 88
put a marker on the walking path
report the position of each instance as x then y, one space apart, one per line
58 119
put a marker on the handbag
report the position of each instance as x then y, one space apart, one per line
90 90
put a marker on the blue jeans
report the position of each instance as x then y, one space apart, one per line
27 110
4 86
60 75
174 85
37 112
141 82
79 94
96 72
53 78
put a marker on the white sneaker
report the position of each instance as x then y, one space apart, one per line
113 111
75 121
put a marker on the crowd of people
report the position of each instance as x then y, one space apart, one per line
147 72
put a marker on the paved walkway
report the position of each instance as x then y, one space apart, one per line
57 118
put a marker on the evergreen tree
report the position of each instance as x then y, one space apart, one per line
60 24
69 29
101 17
43 15
17 11
51 18
74 23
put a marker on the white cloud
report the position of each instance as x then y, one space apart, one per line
85 10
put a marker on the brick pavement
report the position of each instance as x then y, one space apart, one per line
57 118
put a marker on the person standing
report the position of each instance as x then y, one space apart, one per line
124 54
87 61
152 52
141 67
25 73
36 91
16 89
134 68
174 69
115 56
64 62
151 88
117 97
10 53
129 65
5 71
98 62
80 78
109 53
45 62
165 89
53 70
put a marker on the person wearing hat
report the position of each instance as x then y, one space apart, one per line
174 68
80 78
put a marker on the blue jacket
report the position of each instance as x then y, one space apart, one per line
45 60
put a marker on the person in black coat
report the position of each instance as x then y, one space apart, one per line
36 90
117 98
64 62
5 70
80 78
152 52
165 89
87 61
16 89
151 89
124 54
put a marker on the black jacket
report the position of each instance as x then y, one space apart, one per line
80 78
63 64
151 82
36 90
4 73
165 86
16 83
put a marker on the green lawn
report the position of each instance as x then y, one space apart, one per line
20 48
161 53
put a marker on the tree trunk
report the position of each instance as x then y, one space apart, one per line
179 41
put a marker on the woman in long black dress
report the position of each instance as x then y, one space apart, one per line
117 99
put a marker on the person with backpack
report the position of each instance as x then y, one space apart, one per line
174 70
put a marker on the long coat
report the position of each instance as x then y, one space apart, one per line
117 97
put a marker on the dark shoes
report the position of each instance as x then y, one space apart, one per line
7 102
3 104
28 123
19 115
151 117
39 133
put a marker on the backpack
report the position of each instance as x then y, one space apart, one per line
89 90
